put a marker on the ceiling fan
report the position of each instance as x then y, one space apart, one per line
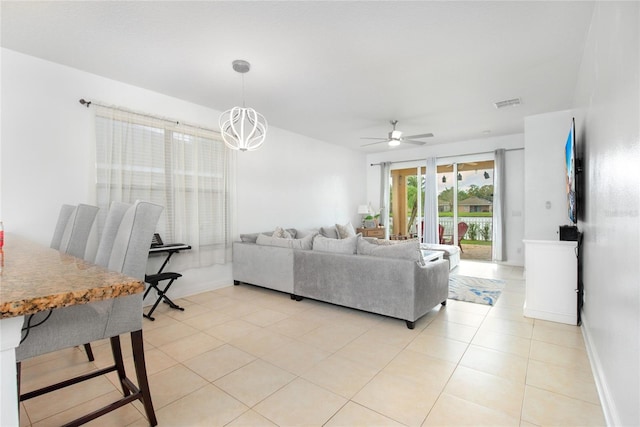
395 137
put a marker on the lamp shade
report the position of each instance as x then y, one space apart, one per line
363 209
243 129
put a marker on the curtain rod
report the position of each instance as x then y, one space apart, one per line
447 157
126 110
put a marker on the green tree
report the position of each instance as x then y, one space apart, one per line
485 192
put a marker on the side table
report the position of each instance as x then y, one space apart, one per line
372 232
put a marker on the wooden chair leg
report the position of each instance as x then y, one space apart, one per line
116 350
141 374
87 349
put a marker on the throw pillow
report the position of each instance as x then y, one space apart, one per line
249 238
345 231
338 246
305 243
282 233
329 232
407 250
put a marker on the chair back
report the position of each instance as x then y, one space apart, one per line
111 226
77 230
440 234
129 256
63 218
133 239
462 230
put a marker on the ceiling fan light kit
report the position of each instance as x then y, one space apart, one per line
241 128
395 137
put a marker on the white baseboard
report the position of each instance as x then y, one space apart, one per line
606 400
569 319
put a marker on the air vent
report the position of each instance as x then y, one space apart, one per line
507 103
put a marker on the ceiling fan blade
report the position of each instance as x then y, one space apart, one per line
423 135
374 143
411 141
370 137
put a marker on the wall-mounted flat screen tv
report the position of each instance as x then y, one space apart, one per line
571 165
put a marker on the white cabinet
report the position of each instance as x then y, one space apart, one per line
551 280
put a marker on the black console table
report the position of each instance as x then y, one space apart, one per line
154 280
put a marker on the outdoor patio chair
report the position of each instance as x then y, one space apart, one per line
448 240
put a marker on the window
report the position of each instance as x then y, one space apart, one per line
186 169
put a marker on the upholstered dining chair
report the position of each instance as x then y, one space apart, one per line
63 218
79 324
72 234
76 232
116 212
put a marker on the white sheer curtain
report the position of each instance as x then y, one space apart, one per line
186 169
431 202
385 196
498 249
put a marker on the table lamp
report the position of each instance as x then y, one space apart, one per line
364 211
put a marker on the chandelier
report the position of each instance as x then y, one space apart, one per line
242 129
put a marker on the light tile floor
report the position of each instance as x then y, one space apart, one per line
246 356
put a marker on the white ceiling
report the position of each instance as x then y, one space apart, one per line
334 71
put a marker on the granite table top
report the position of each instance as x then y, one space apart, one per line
37 278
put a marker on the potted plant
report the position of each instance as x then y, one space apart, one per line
369 222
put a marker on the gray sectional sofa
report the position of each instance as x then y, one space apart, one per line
383 280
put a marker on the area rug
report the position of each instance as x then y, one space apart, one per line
475 289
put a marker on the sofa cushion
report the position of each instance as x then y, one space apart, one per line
330 232
386 242
338 246
406 250
252 237
305 243
304 232
345 230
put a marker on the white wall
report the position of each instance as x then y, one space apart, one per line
607 102
298 182
459 152
545 202
48 159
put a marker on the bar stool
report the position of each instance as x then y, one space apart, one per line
77 230
79 324
72 234
61 224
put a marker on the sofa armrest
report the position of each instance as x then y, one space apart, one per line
432 285
267 266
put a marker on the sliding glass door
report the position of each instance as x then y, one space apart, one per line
465 207
407 202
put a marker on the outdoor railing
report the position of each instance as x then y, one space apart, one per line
482 228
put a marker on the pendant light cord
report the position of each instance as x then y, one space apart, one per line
243 104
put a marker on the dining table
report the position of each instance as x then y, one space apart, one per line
35 278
